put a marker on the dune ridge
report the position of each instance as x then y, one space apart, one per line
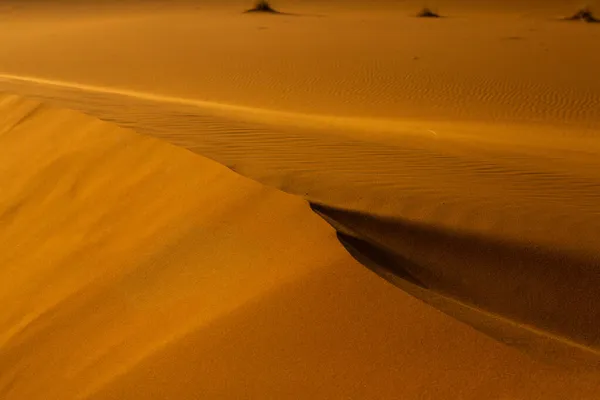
460 177
498 263
164 312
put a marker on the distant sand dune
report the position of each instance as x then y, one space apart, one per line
378 64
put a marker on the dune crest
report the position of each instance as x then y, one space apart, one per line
127 293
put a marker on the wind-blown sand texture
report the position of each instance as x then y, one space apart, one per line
458 158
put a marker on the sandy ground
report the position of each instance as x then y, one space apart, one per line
458 158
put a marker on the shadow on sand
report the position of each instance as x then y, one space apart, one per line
542 300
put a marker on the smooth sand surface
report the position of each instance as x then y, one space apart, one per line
458 158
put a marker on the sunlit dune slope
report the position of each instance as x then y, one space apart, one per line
113 244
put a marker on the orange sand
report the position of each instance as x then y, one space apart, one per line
458 158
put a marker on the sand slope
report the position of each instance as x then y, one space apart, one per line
216 286
494 214
91 249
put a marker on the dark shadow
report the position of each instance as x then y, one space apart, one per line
384 263
550 289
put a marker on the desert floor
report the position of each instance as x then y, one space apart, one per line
197 203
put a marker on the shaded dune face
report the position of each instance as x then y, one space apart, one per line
542 291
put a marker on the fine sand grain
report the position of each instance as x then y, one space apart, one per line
137 260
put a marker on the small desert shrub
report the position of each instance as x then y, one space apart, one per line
427 13
585 14
262 6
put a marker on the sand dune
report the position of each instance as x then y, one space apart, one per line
91 249
135 269
525 186
458 159
345 63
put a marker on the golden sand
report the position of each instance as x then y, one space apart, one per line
457 157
